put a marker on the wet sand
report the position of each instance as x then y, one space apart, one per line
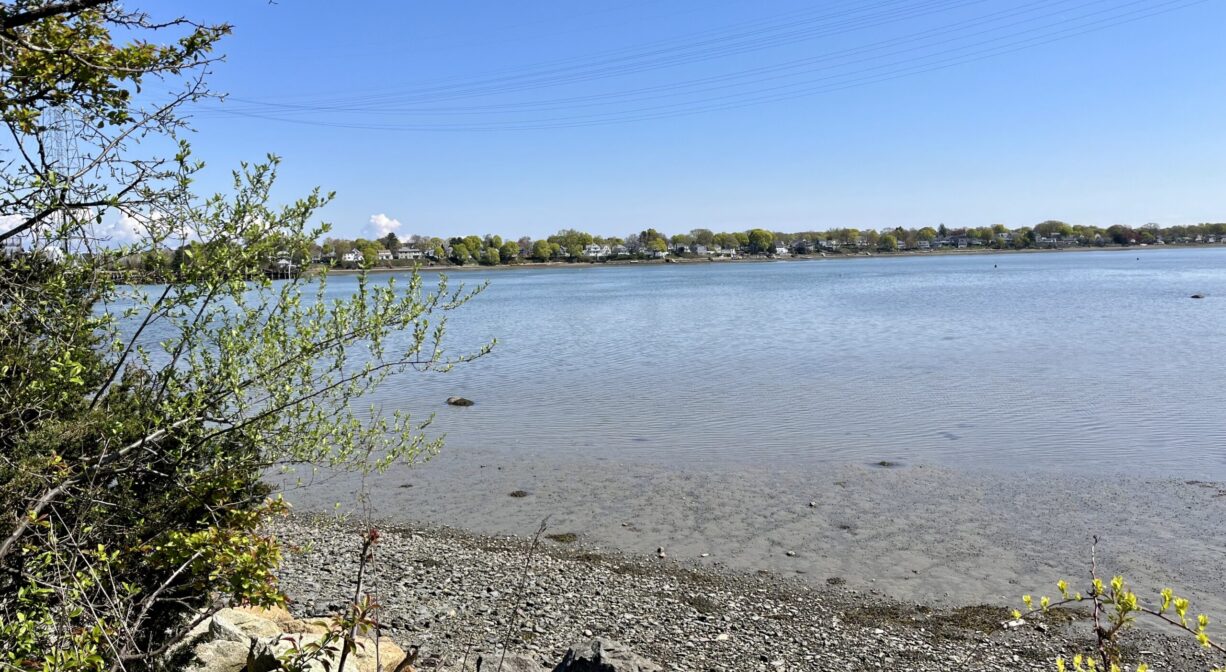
909 532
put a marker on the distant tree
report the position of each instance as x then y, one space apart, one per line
760 240
657 245
473 243
460 253
703 237
1122 235
541 251
927 233
390 241
555 250
649 235
439 252
525 244
1053 227
682 239
742 239
491 257
887 243
509 252
493 240
942 230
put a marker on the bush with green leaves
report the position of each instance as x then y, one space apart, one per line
137 421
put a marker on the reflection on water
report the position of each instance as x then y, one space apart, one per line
1061 361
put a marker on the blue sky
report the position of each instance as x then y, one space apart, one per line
612 116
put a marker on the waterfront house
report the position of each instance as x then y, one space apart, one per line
409 253
384 254
700 250
620 251
595 251
923 245
352 256
781 250
802 246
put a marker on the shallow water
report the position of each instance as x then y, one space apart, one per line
1072 362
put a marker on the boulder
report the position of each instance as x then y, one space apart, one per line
236 625
604 655
254 640
220 656
459 401
367 657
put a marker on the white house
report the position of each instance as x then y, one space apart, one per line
781 250
596 251
352 256
620 250
384 254
408 253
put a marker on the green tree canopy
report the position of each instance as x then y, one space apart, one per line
760 240
132 463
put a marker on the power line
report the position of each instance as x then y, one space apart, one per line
758 85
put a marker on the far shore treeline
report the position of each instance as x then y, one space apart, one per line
572 245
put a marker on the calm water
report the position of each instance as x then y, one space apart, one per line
1066 361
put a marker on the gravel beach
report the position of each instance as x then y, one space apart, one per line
455 595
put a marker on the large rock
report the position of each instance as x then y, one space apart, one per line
254 640
220 656
236 625
459 401
604 655
514 662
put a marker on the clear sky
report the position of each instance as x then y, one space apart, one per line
611 116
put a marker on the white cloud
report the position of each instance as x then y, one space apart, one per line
127 230
381 225
133 228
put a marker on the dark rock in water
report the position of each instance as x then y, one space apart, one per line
459 401
1198 296
604 655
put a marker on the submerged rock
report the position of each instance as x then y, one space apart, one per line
1198 296
459 401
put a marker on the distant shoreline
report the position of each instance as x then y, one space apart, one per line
316 269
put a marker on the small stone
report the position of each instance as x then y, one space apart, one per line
791 554
459 401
